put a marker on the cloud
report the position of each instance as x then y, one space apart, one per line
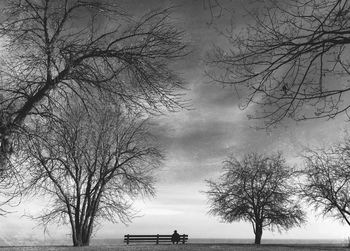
161 211
196 143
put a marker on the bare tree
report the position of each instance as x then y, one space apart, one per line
327 180
90 167
216 8
10 190
52 48
257 189
291 60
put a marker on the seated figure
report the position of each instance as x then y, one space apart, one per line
175 237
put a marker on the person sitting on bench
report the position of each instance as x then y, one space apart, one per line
175 237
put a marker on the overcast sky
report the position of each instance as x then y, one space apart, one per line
196 143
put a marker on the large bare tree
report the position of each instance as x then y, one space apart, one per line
52 48
90 167
257 189
290 61
327 180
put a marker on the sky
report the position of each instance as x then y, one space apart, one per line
196 143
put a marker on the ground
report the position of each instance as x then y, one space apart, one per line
187 247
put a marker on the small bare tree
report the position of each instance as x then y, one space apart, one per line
327 180
90 167
291 60
257 189
53 48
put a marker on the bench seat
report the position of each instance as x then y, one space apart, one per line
156 238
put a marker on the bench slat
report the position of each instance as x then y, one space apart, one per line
152 235
153 238
168 238
151 241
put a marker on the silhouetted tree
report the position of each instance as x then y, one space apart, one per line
90 167
291 60
327 180
9 190
216 8
53 48
257 189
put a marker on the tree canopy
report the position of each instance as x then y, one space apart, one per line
54 48
327 180
256 189
290 60
90 168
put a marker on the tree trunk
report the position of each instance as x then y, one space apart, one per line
81 240
77 237
81 237
83 227
86 237
77 241
258 233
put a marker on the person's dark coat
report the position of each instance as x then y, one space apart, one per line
175 237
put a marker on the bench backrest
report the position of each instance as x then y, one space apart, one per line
156 238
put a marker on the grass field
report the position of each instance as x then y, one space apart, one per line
187 247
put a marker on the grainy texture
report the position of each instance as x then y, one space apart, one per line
187 247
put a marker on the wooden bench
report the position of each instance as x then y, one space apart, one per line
156 238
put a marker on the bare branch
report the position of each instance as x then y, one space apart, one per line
257 189
327 180
92 165
291 60
55 48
